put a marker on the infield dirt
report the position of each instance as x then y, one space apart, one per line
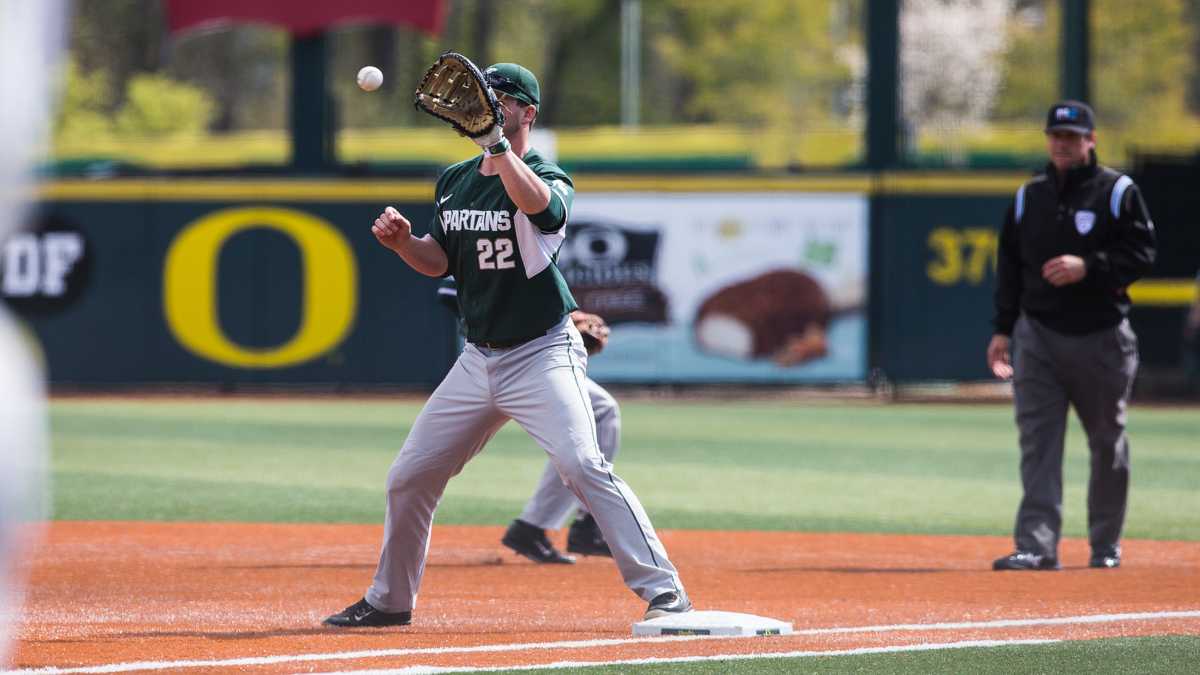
119 592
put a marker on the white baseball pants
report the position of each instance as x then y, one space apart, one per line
540 385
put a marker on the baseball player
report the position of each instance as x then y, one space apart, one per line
499 221
552 502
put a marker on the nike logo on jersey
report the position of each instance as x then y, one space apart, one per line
472 220
443 199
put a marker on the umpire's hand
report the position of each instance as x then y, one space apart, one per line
1064 270
392 229
998 356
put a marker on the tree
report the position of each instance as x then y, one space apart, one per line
84 104
574 48
243 68
1140 67
157 106
152 106
1193 19
120 38
765 63
1031 64
1140 62
950 67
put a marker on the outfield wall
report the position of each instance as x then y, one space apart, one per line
229 287
252 281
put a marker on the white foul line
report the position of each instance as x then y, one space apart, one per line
584 644
1006 623
433 670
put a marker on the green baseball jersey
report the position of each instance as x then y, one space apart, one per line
508 285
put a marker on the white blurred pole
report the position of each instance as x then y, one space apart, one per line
631 61
31 34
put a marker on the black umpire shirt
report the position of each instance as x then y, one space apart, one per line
1094 213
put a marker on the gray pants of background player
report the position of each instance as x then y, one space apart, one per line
540 385
552 502
1094 373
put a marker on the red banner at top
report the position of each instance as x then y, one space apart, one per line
307 18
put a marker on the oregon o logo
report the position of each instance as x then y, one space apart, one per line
190 286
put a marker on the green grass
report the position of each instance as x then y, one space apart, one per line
1171 654
855 467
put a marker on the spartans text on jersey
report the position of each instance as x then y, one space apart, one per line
476 221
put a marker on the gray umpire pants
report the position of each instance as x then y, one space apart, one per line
540 385
1094 373
553 502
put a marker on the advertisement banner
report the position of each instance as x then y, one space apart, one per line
224 293
735 287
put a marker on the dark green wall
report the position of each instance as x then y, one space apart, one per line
115 330
932 274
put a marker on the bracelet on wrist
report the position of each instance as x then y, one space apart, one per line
499 148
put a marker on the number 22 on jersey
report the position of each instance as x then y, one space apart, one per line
497 256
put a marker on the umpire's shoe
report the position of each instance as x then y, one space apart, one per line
1107 560
585 538
531 542
1024 560
671 602
362 615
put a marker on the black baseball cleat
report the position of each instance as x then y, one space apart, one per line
1024 560
531 542
671 602
585 538
1105 561
362 615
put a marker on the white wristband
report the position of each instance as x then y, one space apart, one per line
498 149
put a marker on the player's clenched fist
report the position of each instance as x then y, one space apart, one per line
392 229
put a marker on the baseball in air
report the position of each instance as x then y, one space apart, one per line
370 78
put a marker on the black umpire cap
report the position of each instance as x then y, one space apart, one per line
1074 116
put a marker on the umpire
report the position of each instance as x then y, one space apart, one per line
1073 240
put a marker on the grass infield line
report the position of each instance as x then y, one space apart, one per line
924 647
583 644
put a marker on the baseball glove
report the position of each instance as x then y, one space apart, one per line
453 90
593 329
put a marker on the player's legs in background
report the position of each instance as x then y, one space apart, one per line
541 387
585 537
547 508
552 502
453 427
608 419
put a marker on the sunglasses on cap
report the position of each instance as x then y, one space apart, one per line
506 85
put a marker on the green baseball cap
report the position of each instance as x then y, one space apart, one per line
514 80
